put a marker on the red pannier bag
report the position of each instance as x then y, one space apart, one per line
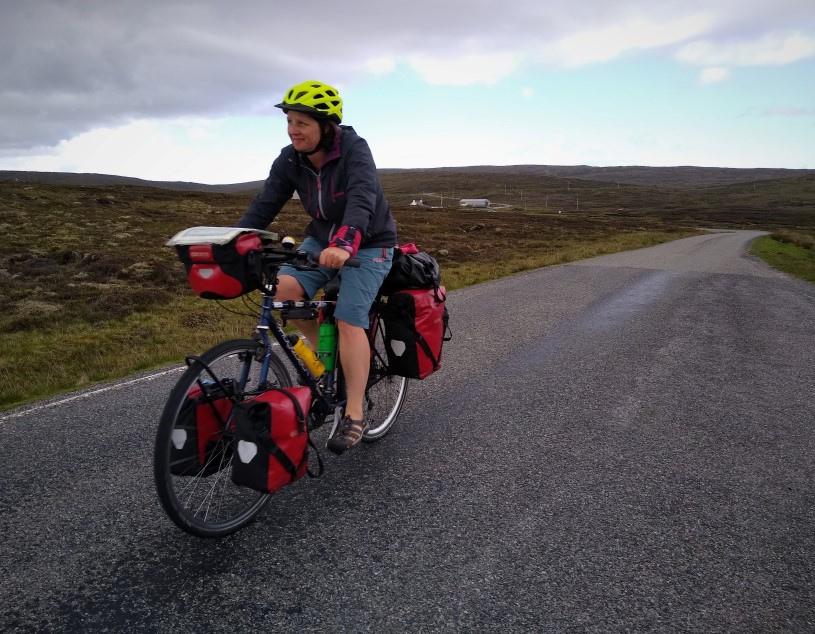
198 447
223 271
270 445
416 325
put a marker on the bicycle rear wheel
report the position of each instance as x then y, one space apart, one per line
201 499
385 393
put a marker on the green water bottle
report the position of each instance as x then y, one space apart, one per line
327 346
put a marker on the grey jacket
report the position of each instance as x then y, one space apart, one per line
344 198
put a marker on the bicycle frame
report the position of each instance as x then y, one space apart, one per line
328 395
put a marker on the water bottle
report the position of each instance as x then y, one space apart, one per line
327 346
306 355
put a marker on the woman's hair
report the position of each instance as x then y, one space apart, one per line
329 134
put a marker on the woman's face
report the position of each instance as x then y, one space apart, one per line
304 131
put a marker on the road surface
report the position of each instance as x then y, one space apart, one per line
623 444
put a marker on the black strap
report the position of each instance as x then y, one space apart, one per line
272 447
319 461
278 454
301 419
426 347
447 333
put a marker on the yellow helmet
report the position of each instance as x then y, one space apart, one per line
315 98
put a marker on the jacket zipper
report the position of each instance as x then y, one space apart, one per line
320 212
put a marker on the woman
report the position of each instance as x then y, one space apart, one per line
332 170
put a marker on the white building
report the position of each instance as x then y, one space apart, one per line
474 202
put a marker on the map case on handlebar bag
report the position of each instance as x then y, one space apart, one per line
221 262
416 326
271 439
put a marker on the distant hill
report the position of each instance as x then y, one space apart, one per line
102 180
679 177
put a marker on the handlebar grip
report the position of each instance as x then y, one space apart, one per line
353 263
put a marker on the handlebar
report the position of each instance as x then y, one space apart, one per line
299 259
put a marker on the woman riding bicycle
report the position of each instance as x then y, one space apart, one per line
332 170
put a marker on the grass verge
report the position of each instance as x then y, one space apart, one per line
787 251
60 357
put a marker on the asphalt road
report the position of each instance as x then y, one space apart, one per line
625 444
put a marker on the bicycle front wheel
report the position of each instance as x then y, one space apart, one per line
197 493
385 394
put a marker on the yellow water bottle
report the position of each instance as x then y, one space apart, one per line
307 355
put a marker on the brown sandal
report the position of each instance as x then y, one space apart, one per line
349 433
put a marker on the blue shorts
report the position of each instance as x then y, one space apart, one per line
358 287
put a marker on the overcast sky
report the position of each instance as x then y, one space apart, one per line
169 90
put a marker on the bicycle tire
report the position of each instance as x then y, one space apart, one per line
385 393
207 503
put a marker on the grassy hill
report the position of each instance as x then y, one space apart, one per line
681 176
102 180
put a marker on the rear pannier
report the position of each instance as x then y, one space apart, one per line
416 325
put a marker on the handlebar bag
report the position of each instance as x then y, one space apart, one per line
223 271
271 439
198 447
416 326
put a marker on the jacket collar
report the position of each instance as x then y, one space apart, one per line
335 151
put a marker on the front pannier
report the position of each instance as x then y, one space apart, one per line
416 326
271 439
198 447
223 271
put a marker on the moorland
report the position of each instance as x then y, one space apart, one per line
90 293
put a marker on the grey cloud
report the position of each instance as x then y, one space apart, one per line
71 65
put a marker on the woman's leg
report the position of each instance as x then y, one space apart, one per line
358 290
355 357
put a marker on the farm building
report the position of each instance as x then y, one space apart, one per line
474 202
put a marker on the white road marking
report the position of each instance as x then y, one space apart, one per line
93 392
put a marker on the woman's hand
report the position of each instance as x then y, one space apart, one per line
333 257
